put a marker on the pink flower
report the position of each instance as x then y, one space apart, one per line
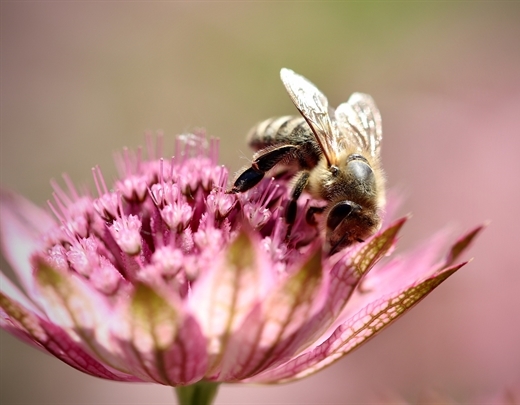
166 278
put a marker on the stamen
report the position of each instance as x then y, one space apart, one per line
70 186
178 230
60 205
101 186
268 193
55 211
58 192
161 171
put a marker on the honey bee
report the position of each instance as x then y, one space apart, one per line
335 155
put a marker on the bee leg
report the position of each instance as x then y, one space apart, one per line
264 161
248 179
301 181
310 218
290 212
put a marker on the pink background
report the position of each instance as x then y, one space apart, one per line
80 80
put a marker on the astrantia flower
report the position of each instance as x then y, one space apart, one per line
165 278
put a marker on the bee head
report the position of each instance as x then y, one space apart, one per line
352 179
348 222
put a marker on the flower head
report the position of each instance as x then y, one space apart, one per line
166 278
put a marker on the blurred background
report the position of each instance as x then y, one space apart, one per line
80 80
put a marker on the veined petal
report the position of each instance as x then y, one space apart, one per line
363 326
226 294
358 264
159 343
21 225
369 253
79 310
344 277
267 334
461 245
400 272
21 322
43 335
11 290
69 302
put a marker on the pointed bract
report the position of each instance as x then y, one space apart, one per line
163 344
267 333
22 225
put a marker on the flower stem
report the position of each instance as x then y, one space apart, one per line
201 393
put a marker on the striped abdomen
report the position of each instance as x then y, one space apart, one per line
289 129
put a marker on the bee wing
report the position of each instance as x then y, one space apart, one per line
314 107
359 120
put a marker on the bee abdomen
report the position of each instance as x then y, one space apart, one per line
279 130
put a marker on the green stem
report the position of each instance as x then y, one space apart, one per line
201 393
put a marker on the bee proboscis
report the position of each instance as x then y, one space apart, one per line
335 155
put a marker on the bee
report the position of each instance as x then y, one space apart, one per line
335 155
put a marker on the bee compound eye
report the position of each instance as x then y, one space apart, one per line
361 170
338 213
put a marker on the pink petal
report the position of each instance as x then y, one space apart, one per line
11 290
41 334
13 293
271 328
361 327
295 315
226 294
401 272
68 300
344 277
160 344
80 311
21 225
462 244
